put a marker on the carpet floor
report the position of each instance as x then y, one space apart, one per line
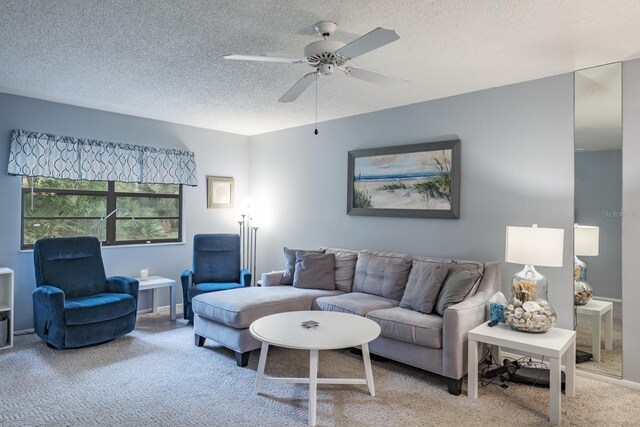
155 376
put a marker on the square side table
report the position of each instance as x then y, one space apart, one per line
553 344
597 309
155 283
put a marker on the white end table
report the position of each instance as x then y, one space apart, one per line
155 283
553 344
336 330
597 310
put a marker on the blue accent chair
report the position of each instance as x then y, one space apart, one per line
74 303
216 267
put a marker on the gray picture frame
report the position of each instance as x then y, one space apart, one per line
452 213
217 199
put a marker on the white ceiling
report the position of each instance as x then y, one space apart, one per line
162 59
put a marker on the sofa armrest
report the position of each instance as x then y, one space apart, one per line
123 285
272 278
460 318
245 277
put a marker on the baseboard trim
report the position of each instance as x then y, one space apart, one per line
24 332
607 299
608 379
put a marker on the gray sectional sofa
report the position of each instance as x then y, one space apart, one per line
424 306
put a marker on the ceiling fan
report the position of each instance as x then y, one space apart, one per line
326 56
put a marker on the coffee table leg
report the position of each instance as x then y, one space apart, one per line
313 386
367 368
261 364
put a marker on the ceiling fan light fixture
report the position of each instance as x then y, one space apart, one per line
328 55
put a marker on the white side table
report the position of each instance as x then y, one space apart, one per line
597 310
335 330
552 344
155 283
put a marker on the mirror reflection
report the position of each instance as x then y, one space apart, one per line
598 212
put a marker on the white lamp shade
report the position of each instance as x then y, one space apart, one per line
586 240
535 246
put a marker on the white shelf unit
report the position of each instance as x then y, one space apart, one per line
6 301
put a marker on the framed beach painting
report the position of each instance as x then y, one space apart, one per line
219 192
418 180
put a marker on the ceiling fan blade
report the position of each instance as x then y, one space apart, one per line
265 59
370 41
297 89
377 78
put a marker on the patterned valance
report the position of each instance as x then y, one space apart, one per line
43 154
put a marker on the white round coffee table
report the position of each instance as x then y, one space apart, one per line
335 330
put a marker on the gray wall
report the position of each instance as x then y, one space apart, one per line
630 219
517 169
599 189
217 153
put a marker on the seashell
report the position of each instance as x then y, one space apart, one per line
542 320
531 306
518 313
527 315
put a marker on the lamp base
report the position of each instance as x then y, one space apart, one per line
528 309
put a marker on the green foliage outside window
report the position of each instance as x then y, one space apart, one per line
65 208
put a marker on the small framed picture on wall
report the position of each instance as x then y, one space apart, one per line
219 192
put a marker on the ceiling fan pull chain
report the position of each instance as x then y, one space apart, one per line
316 131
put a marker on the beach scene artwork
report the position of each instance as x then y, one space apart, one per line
418 180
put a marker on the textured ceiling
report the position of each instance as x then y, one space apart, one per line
163 59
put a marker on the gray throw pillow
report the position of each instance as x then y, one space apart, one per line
345 269
290 263
460 282
314 271
423 286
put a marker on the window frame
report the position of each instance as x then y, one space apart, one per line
111 202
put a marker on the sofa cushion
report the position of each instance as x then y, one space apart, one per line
290 263
382 273
203 288
423 286
409 326
238 308
355 303
314 271
98 308
461 282
345 267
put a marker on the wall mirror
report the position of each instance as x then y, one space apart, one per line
598 218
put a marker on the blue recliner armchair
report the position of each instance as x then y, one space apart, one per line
216 267
74 303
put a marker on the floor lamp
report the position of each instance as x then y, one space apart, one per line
248 241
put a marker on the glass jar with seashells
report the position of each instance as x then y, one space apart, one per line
529 310
582 291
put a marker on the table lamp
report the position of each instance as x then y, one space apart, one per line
529 310
586 242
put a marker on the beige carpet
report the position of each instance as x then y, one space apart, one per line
156 376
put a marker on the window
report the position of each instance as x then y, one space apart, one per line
63 208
